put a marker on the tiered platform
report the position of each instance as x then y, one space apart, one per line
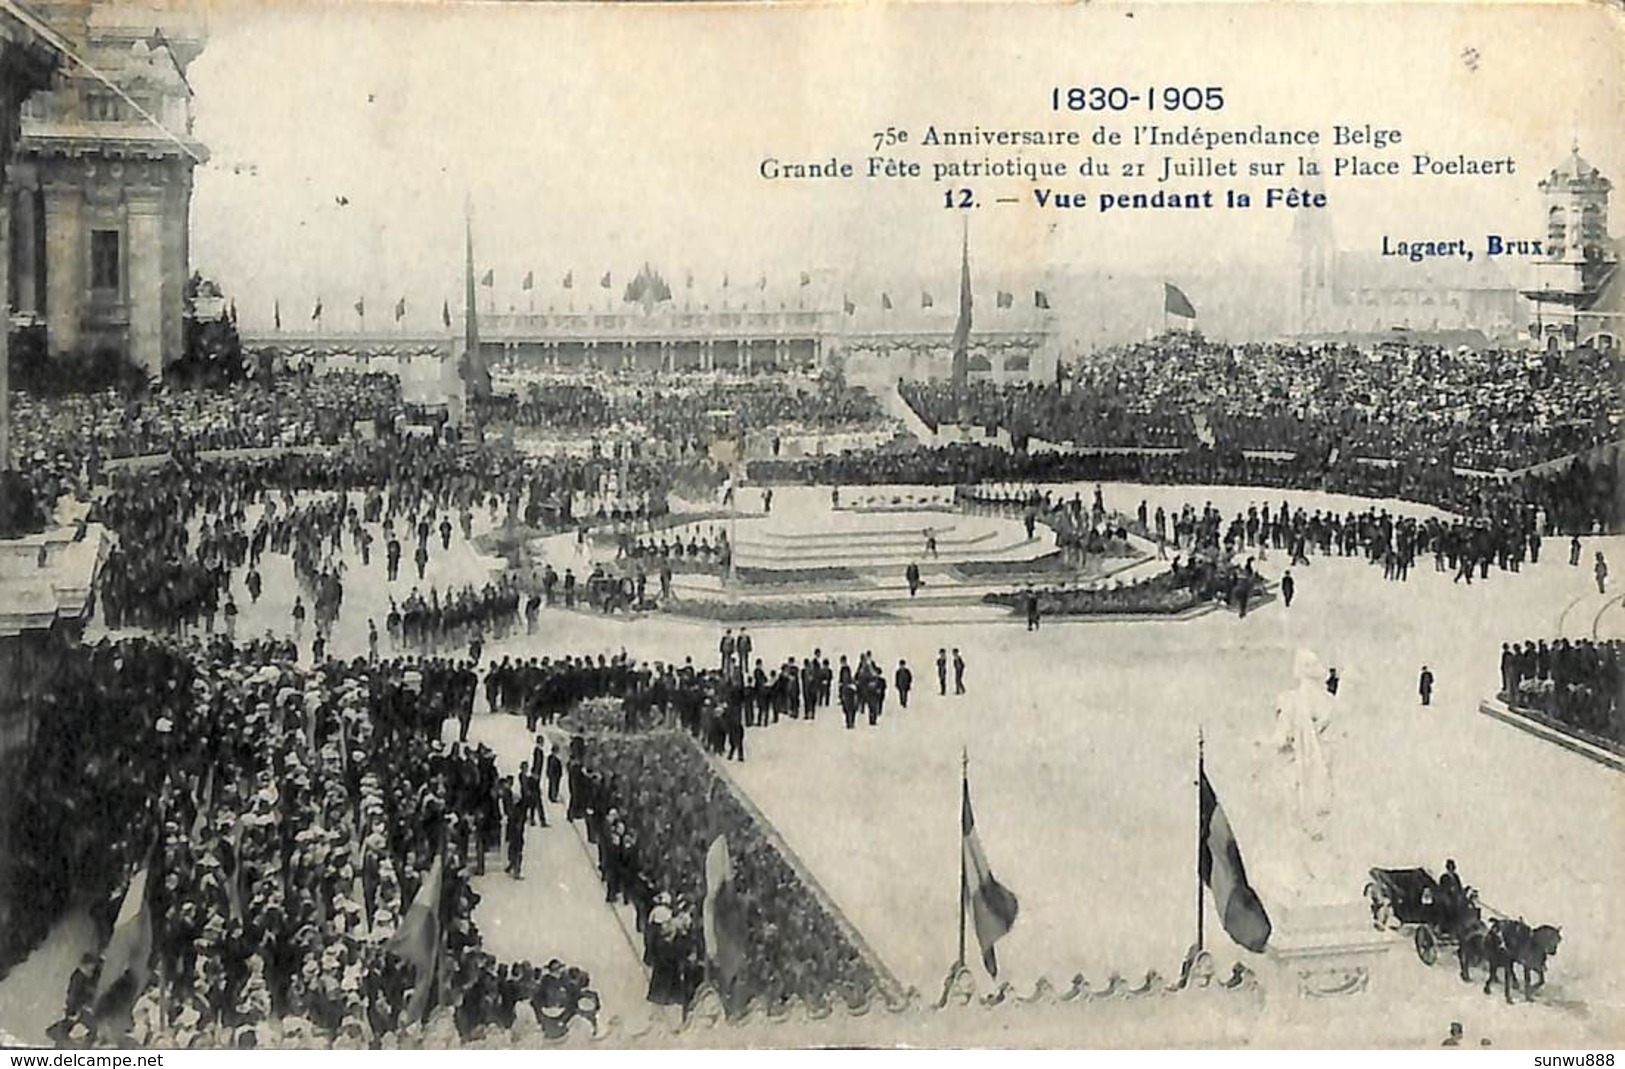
875 541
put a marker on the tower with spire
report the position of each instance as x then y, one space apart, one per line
1578 288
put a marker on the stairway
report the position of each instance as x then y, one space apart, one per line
897 408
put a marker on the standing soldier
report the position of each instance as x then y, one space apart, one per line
912 575
1601 570
1032 611
1424 686
555 772
530 795
942 672
904 679
516 841
1288 586
849 700
959 663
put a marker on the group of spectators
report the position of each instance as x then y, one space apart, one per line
685 408
1473 408
1581 498
279 824
1577 682
464 616
654 805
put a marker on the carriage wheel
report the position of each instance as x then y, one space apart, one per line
1427 947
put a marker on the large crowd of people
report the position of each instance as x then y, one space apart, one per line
685 408
654 806
1483 408
280 824
1579 683
280 818
1581 498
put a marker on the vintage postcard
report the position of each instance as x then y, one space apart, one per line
943 525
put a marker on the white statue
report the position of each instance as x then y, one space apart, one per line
1302 717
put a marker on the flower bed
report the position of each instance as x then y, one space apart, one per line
673 805
1161 595
595 716
776 609
1151 598
795 576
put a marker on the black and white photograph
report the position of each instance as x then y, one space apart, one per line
790 526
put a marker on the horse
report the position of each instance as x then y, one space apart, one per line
1503 945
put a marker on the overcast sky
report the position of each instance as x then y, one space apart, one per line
596 138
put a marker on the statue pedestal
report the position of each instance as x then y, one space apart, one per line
1324 950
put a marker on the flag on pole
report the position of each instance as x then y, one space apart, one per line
488 279
400 309
761 283
361 307
725 280
529 281
1174 302
722 915
847 304
993 908
570 279
276 314
127 959
1041 300
417 941
1218 861
925 300
445 313
806 279
476 375
316 313
885 301
961 344
1005 299
604 282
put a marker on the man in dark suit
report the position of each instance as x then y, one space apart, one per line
555 772
942 672
959 673
530 795
904 680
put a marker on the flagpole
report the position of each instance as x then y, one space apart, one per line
964 791
1200 899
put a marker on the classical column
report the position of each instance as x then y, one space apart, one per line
144 289
65 244
26 222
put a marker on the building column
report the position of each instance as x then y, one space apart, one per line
144 280
64 265
24 230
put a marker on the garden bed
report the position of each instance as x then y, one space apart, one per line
795 576
765 610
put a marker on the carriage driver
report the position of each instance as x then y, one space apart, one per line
1451 895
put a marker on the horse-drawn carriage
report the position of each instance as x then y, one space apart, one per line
1413 902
